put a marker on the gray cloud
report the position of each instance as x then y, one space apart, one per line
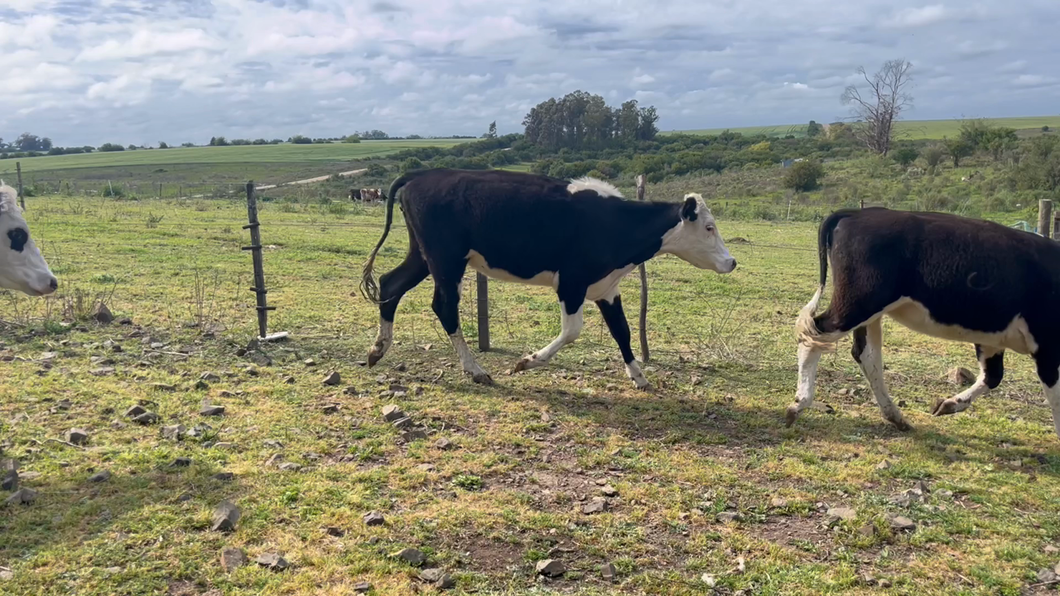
138 71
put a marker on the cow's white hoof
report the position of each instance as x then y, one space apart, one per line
527 363
944 407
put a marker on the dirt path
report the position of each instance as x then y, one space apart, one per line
312 180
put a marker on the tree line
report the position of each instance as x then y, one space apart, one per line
581 120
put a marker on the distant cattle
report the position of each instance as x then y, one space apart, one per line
914 172
371 194
355 194
942 275
579 237
22 267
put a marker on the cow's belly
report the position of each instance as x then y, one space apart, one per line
914 315
478 263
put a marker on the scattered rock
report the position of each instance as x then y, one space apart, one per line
101 476
330 409
362 587
135 411
729 516
392 413
232 558
181 462
310 362
102 314
439 578
412 435
201 385
289 467
883 465
597 505
1047 576
289 380
884 583
411 556
841 513
77 436
102 372
225 517
405 422
425 467
608 572
146 418
209 377
374 518
1050 549
22 496
902 524
273 561
443 443
778 502
960 376
335 531
332 379
224 476
163 387
224 445
709 579
609 491
10 481
550 568
212 411
272 444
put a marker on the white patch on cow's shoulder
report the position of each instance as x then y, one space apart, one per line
607 288
914 315
477 262
604 189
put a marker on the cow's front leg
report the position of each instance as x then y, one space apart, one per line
446 306
615 317
571 327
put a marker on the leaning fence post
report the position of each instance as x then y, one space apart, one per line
18 175
259 270
645 355
482 300
1045 217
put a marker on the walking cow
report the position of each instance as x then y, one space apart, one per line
942 275
580 237
22 267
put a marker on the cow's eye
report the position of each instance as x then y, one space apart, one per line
18 237
710 228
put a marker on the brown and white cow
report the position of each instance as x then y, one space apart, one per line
942 275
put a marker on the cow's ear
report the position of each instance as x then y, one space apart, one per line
688 210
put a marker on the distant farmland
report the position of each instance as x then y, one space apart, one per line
908 129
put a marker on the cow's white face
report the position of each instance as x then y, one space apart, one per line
696 238
22 267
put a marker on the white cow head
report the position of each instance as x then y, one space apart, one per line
696 238
22 267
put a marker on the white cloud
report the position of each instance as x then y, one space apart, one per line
919 17
643 79
147 43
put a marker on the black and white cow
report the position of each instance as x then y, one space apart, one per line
941 275
22 267
580 237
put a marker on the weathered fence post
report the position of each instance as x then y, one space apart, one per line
482 302
160 190
259 270
1045 217
645 355
18 175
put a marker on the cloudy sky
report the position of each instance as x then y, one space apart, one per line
144 71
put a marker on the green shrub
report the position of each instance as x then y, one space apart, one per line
803 176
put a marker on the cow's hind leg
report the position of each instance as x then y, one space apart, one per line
991 371
868 352
611 309
571 308
446 305
1048 362
392 286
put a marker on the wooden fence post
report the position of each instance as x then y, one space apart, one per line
259 270
21 197
1045 217
482 302
645 355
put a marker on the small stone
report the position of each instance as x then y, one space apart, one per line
163 387
1046 576
310 362
232 558
425 467
146 418
22 496
960 376
884 583
225 517
332 379
922 486
272 444
77 436
709 579
392 413
413 435
102 372
362 587
102 314
608 572
374 518
1050 549
350 391
173 432
10 481
443 443
224 476
335 531
201 385
597 505
883 465
330 409
842 513
609 491
778 502
289 467
209 377
289 380
181 462
135 411
212 411
550 568
224 445
101 476
405 422
867 579
411 556
729 516
868 530
431 575
944 494
902 524
273 561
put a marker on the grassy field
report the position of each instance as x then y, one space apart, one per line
268 154
906 129
526 456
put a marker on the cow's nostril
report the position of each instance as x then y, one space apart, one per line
54 283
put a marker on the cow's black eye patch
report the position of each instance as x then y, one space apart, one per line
19 237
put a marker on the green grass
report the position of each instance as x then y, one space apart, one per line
525 453
271 154
906 129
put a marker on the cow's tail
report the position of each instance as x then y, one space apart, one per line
368 287
805 328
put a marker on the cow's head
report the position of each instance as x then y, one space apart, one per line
696 238
22 267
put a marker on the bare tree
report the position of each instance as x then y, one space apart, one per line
880 104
